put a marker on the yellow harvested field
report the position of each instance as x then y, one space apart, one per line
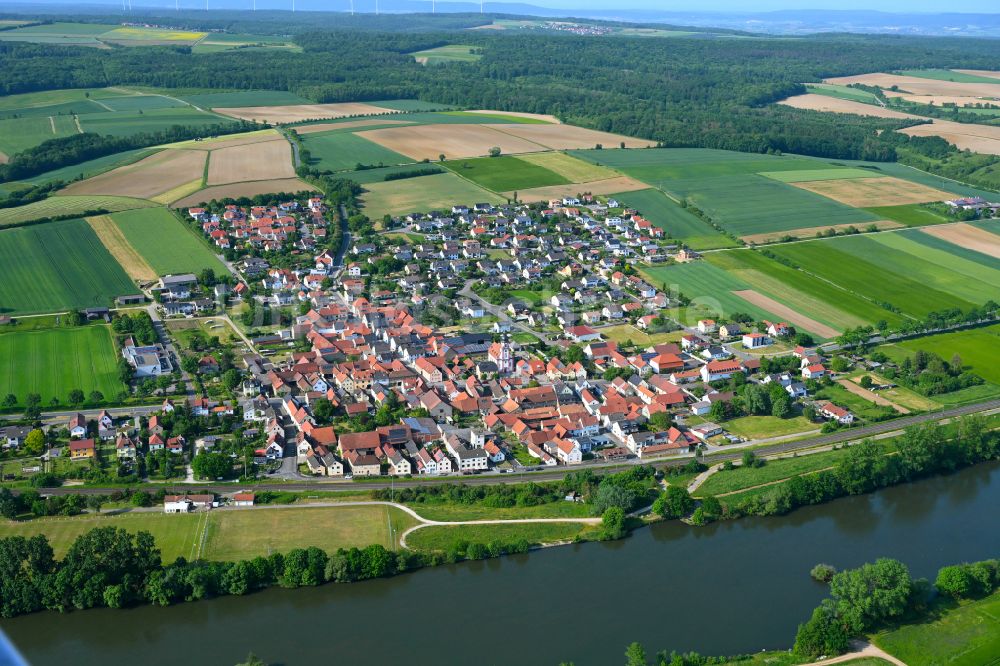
919 86
939 100
236 190
980 72
786 313
606 186
809 232
298 112
454 141
570 167
814 102
153 175
112 238
265 160
519 114
326 127
977 138
570 137
884 191
228 140
967 236
178 192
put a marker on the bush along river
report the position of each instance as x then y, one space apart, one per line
726 588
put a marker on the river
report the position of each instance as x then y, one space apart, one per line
732 587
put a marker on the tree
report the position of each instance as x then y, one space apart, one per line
954 581
823 573
635 655
34 443
613 522
870 595
322 410
252 660
495 151
661 421
823 634
76 397
865 382
781 405
95 397
9 400
573 354
212 465
613 495
674 503
231 379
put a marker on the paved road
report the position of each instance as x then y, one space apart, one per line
168 344
345 244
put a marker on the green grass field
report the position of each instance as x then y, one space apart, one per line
377 175
912 215
444 538
58 265
740 478
224 100
681 225
816 298
761 427
53 362
141 103
839 264
842 92
89 168
447 54
68 205
439 192
64 109
341 151
409 105
17 134
45 98
505 173
127 123
978 348
455 512
165 243
812 175
963 635
949 75
706 285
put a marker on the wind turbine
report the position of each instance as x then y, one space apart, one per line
352 7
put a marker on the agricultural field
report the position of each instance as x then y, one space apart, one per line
977 347
165 243
114 240
504 173
248 189
215 42
843 92
68 205
52 362
82 34
453 141
967 634
571 137
86 169
572 169
881 191
235 99
127 123
677 222
57 265
446 54
975 240
708 286
146 178
799 290
377 175
142 102
910 215
342 151
811 175
947 75
17 134
296 113
606 186
423 194
851 263
926 86
263 160
410 105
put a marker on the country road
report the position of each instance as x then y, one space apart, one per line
852 434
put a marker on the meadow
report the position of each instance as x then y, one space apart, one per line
948 75
57 265
52 362
17 134
211 99
912 215
977 347
342 151
426 193
828 260
443 538
677 222
68 205
165 242
126 123
446 54
707 285
502 174
959 635
843 92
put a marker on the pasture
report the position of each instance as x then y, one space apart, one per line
264 160
422 194
453 141
750 204
57 265
165 243
146 178
880 191
798 289
296 113
52 362
68 205
977 347
677 222
446 54
872 278
572 169
249 189
343 151
505 173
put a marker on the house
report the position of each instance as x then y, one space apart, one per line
582 334
243 499
444 464
706 325
568 451
82 449
716 370
815 371
755 340
125 448
727 331
832 412
78 426
13 437
178 286
147 360
777 329
186 503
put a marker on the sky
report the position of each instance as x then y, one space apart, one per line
907 6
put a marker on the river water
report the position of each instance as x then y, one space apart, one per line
731 587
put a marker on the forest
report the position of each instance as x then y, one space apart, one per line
715 93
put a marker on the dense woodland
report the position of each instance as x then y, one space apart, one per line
715 93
